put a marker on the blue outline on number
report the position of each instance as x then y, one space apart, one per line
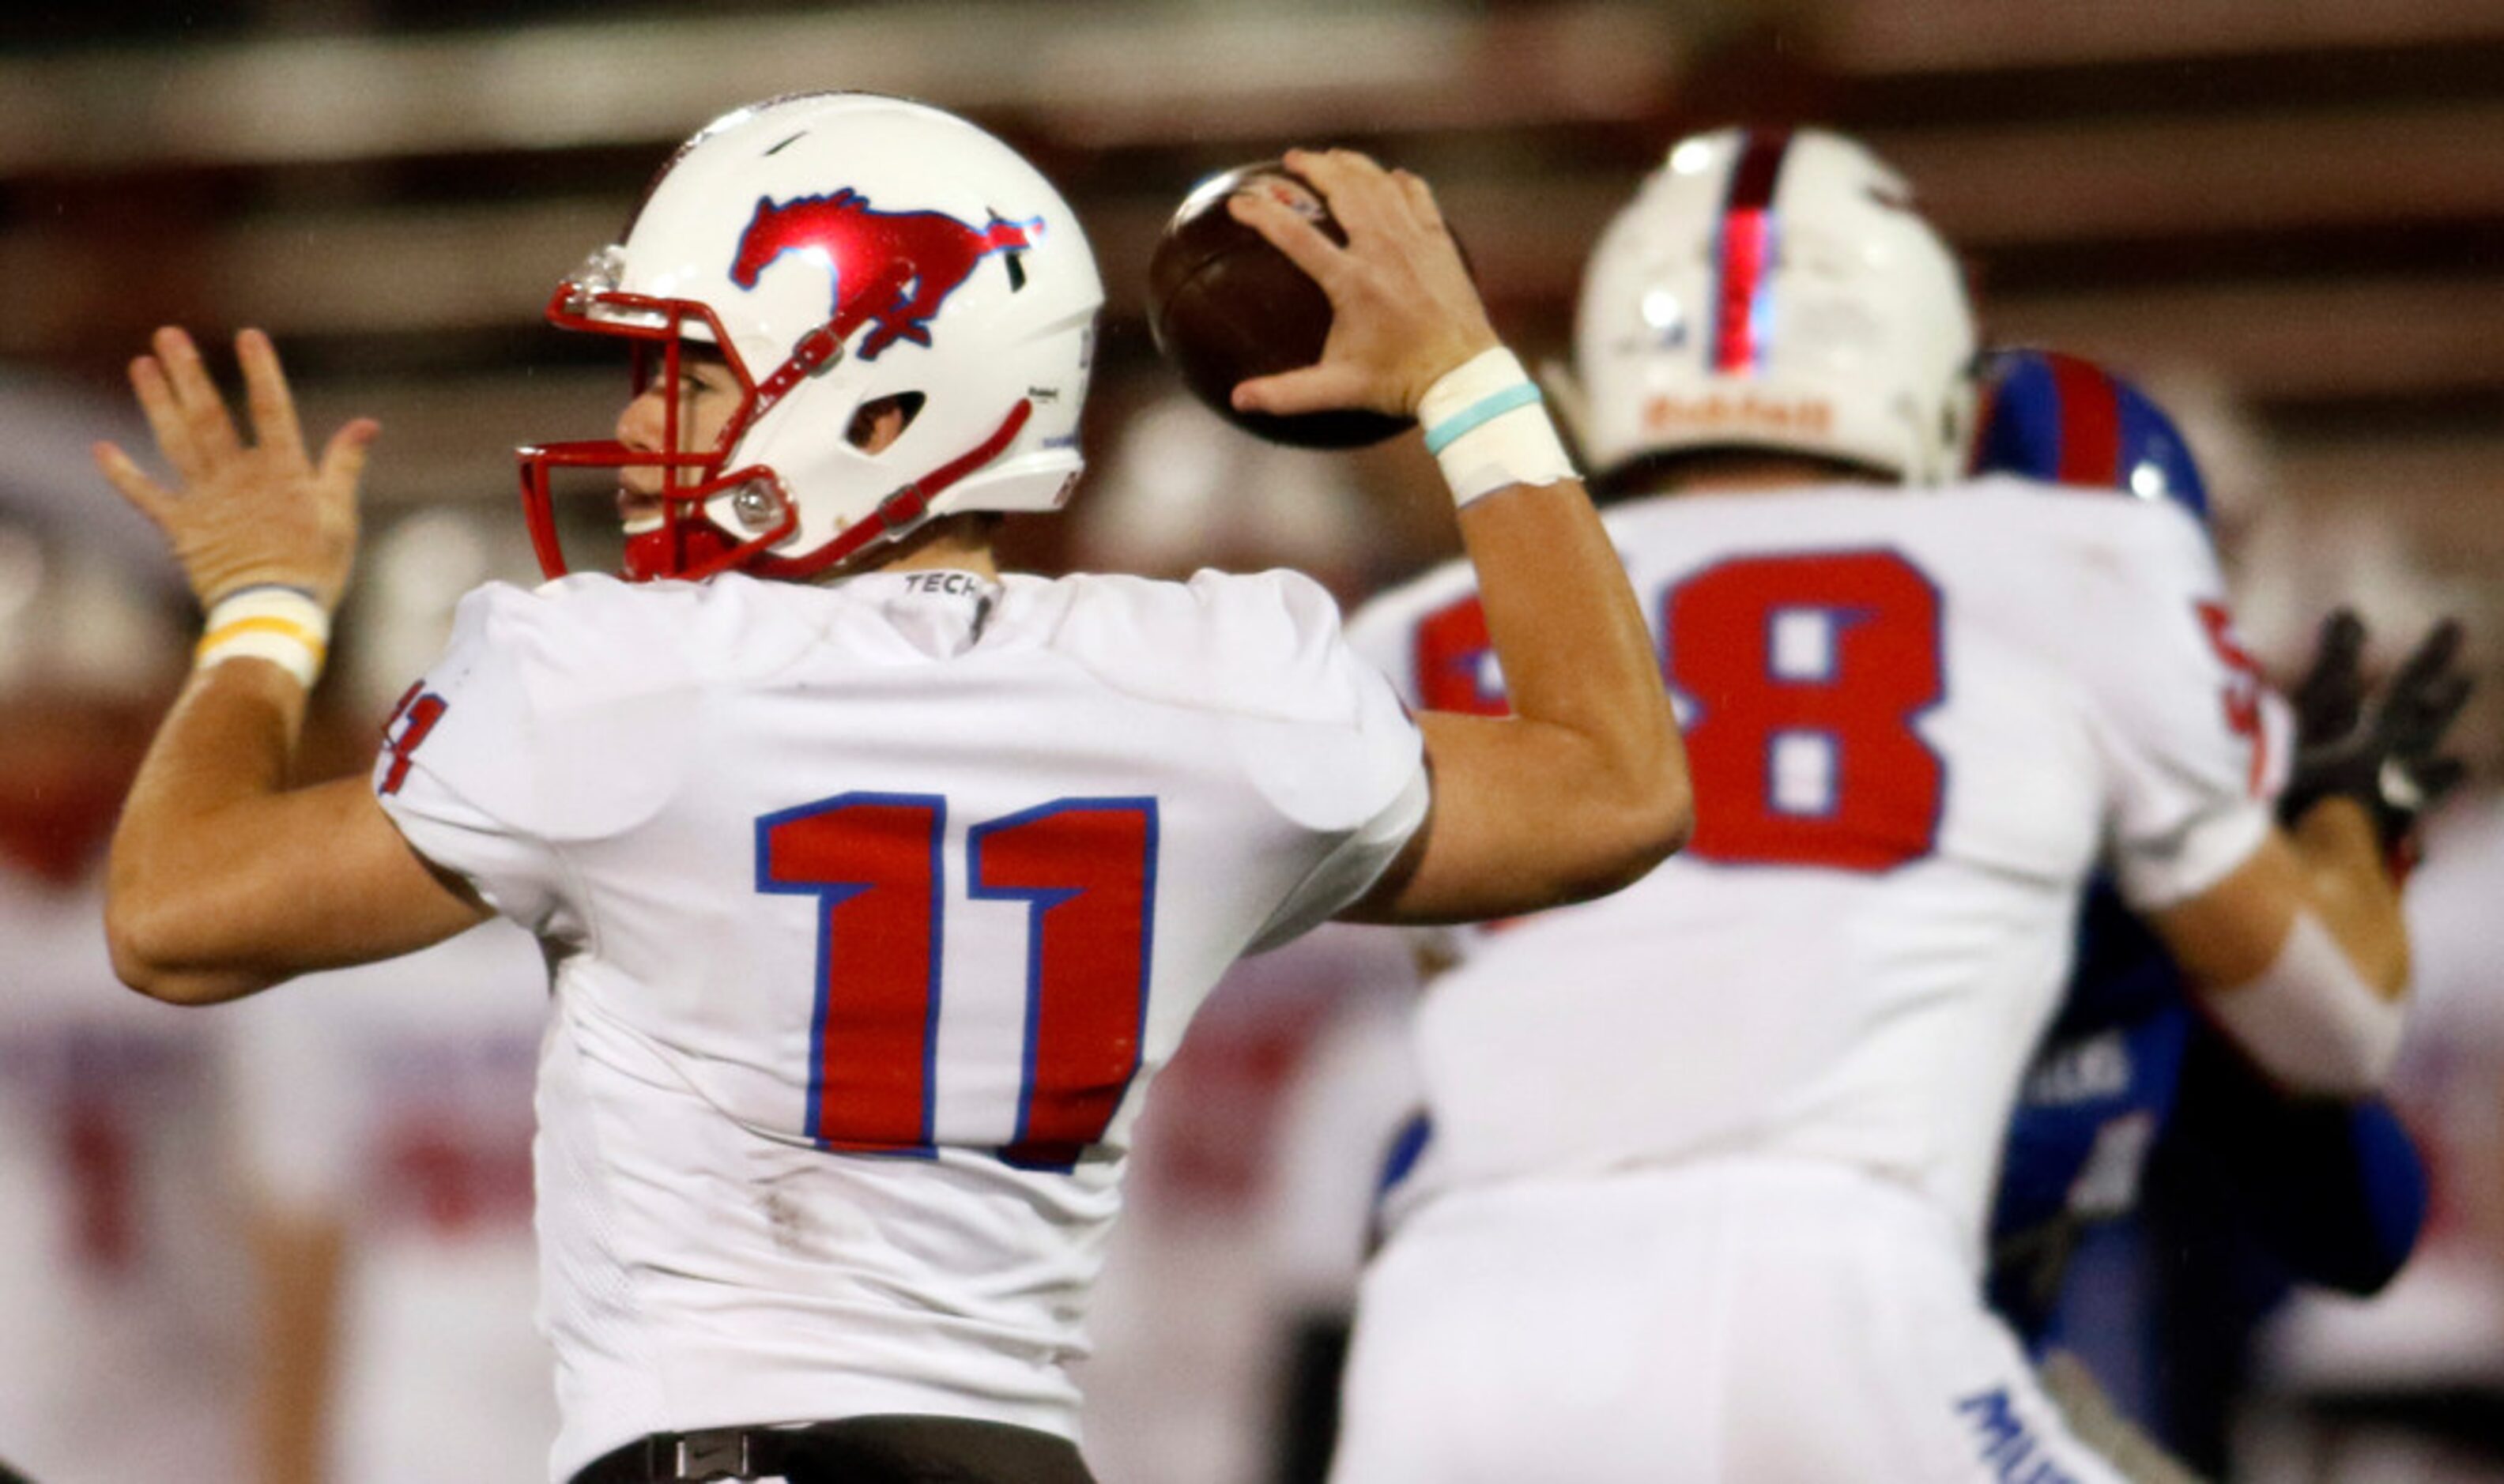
1041 900
829 898
1913 717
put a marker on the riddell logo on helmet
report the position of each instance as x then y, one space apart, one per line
1811 416
894 268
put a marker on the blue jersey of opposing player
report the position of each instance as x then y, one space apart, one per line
2336 1192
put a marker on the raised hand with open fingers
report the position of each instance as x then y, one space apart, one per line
1403 308
241 514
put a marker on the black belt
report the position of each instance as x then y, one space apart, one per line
715 1453
856 1450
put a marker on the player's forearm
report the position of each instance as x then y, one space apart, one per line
2300 955
2347 886
183 889
1581 674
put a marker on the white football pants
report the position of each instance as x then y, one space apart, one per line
1734 1322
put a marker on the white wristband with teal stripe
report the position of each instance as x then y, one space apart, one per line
283 625
1484 425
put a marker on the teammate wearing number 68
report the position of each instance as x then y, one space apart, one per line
1705 1191
876 882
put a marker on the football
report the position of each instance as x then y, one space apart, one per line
1225 306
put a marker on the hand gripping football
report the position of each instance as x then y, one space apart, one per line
1225 306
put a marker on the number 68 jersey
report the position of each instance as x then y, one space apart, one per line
872 909
1914 722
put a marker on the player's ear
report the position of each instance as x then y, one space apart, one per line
879 423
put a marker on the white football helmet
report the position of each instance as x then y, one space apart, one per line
841 249
1775 289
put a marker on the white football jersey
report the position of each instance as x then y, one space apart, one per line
395 1100
872 909
1914 723
125 1295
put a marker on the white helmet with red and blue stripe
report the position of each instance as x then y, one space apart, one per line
2064 420
1775 289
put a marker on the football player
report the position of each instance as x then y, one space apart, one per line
877 882
2332 1191
1705 1195
2103 1085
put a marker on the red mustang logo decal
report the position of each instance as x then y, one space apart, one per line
894 268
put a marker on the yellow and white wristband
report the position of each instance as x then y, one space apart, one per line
283 625
1486 425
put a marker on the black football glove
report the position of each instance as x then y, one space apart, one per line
2380 751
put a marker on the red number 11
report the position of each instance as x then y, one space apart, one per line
1086 869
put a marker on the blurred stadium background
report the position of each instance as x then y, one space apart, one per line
2285 218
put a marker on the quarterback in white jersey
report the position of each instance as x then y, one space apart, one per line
387 1133
876 883
689 1218
1705 1189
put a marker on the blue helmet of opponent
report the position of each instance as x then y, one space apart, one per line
2064 420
